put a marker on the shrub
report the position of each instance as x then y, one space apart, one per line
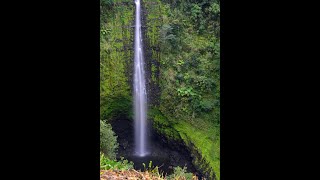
180 173
106 163
108 140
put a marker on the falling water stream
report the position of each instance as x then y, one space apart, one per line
146 145
140 95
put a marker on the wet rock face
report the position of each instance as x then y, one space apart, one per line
152 85
163 153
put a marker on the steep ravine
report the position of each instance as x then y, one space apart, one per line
172 140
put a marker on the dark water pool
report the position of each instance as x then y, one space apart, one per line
160 153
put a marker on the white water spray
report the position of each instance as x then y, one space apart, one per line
140 95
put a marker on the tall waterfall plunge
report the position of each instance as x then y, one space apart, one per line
140 94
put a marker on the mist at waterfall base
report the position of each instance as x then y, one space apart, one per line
140 95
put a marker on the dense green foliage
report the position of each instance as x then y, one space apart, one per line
189 57
186 33
108 140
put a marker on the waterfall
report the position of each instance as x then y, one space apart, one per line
140 94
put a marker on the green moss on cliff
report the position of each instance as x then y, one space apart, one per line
162 125
115 58
206 142
200 138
